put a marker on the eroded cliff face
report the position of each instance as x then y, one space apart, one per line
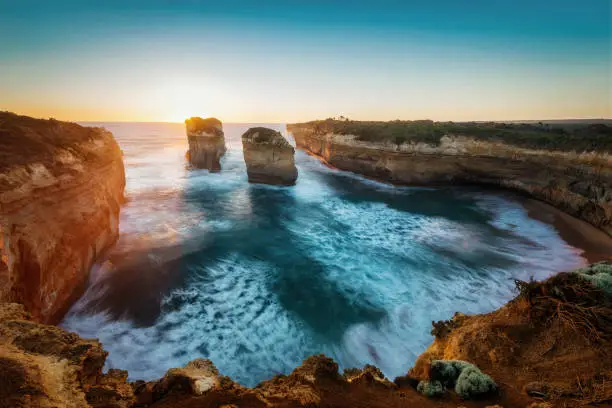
206 143
269 157
577 183
61 187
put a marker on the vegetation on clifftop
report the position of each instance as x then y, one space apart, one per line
557 136
467 380
209 125
265 136
25 140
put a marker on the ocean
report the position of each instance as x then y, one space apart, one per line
256 277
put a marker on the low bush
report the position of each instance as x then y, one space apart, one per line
431 389
473 383
600 276
468 381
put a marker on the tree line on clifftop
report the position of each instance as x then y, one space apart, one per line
556 136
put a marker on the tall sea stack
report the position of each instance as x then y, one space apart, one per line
269 157
206 142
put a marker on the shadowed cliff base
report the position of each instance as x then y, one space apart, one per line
548 346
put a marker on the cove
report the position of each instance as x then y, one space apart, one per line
256 278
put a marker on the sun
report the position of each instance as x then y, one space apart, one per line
181 98
179 114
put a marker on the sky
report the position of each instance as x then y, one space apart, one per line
289 61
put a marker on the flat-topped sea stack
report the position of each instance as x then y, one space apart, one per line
206 143
61 187
269 157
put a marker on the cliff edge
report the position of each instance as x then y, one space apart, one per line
61 187
546 165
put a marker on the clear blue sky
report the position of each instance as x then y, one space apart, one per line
300 60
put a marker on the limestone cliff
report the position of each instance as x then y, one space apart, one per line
269 157
61 186
206 143
577 183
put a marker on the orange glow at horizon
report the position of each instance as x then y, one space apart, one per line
175 98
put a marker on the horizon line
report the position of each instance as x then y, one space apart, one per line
356 120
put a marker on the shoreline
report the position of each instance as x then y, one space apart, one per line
595 243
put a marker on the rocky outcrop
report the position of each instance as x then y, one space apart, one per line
552 343
206 143
61 186
45 366
577 183
269 157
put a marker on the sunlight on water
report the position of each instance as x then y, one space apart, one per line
257 278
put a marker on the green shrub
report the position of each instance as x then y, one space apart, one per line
447 371
472 383
600 276
431 388
468 381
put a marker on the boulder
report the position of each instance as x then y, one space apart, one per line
269 157
206 143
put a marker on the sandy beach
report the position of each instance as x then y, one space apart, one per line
596 244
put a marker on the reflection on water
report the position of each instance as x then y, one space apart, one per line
258 277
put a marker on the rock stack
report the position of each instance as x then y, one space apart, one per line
206 142
269 157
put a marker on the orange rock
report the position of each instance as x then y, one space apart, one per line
61 186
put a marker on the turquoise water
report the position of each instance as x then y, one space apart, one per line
257 278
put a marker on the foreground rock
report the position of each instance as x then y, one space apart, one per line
579 183
61 186
45 366
552 342
269 157
206 143
548 347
